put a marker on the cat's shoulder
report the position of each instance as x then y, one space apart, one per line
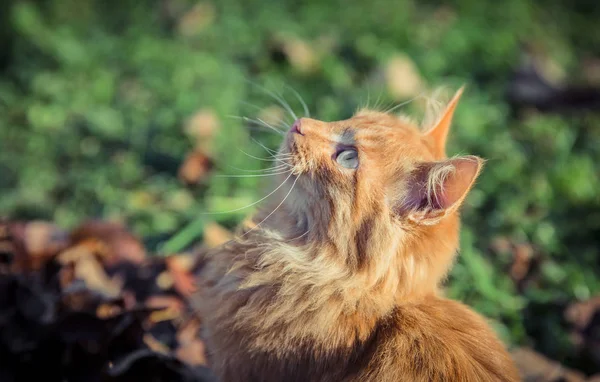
440 340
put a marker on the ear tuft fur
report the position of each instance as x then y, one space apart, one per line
436 189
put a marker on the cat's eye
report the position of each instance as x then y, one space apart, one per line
347 158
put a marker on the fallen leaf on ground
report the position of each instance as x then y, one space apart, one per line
115 242
192 353
299 53
87 267
273 115
91 271
403 79
189 330
535 367
198 18
195 167
43 240
215 235
108 310
170 303
155 345
202 128
580 314
522 261
183 280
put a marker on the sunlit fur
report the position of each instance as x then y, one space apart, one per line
341 282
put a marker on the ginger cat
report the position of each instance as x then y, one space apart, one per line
340 280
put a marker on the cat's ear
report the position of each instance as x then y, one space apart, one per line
436 189
438 134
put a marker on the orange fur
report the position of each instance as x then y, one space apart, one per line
341 282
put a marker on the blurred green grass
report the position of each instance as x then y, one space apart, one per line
95 96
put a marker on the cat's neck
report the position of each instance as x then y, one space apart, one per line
313 288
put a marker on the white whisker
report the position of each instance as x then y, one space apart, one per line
252 175
267 124
258 123
268 150
391 109
378 99
275 155
284 125
272 159
252 204
301 236
285 105
276 208
278 98
279 167
299 97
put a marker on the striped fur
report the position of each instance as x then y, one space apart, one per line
341 283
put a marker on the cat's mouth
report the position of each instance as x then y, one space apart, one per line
294 150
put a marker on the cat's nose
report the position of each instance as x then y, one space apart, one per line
297 127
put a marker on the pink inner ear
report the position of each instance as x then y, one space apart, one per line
457 183
451 188
417 198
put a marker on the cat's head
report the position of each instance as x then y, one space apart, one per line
377 182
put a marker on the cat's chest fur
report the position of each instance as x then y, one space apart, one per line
430 340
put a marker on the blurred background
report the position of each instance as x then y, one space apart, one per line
126 110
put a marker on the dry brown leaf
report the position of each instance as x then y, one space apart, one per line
580 314
184 261
195 167
300 54
191 349
31 244
245 225
192 353
189 331
165 302
44 240
85 248
113 241
165 280
155 344
402 78
196 19
183 281
163 315
535 367
92 272
501 244
523 255
40 235
171 308
215 235
202 128
108 310
87 267
274 115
